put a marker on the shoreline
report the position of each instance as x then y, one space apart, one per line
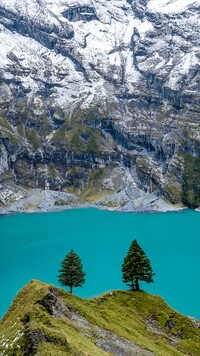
46 201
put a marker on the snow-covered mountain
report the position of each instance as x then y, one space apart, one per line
99 99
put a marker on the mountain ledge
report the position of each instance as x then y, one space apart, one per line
45 320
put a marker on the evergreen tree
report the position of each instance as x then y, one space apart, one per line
136 266
71 273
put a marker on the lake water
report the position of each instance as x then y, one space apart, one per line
33 246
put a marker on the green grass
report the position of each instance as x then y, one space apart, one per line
173 192
77 144
72 138
10 136
60 135
5 124
21 130
7 131
94 189
136 316
88 114
33 138
52 171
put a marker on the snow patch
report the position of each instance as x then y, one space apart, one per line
170 6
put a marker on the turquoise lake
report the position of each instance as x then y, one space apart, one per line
33 246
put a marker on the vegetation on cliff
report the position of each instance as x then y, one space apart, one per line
191 181
45 320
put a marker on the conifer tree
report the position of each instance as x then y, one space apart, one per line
136 267
71 273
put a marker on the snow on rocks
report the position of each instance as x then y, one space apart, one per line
94 43
170 7
135 64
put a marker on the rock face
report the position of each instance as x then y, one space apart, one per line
100 99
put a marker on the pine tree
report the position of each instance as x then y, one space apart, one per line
71 273
136 266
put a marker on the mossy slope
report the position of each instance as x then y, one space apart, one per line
44 320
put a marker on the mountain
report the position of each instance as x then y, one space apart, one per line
44 320
99 104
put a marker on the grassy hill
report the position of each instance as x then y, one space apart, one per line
47 321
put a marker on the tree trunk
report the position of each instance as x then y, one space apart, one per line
137 287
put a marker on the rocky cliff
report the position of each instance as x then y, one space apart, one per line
99 100
44 320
